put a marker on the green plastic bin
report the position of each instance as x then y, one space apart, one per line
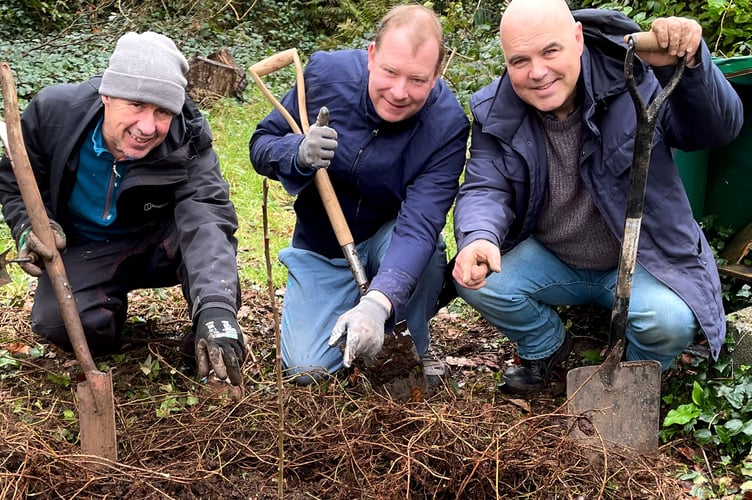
693 170
719 181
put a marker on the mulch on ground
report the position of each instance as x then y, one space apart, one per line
344 438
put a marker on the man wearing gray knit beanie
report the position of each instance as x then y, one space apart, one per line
136 199
147 67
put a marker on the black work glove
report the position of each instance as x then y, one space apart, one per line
31 247
219 345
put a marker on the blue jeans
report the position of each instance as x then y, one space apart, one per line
319 290
520 301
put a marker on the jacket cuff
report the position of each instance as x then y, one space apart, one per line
213 302
397 287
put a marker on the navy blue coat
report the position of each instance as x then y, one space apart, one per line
381 171
506 176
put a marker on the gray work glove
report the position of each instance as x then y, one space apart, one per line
364 327
31 247
317 148
219 345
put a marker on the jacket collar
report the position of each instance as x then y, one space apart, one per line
376 122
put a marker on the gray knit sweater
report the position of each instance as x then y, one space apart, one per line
570 224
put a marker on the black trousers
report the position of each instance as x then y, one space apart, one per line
101 274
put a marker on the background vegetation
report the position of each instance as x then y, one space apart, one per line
53 41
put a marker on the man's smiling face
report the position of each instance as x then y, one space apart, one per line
131 129
401 74
542 53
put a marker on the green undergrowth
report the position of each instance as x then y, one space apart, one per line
711 413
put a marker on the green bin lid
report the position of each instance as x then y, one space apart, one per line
736 69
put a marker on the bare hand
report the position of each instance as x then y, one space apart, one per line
679 36
475 262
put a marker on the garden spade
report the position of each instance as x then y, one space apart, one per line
323 183
95 396
618 403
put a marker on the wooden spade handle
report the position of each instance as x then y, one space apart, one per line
274 63
645 41
40 223
323 183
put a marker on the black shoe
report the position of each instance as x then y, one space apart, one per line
532 375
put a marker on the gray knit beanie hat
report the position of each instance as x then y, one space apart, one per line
146 67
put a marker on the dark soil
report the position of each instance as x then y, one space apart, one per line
353 436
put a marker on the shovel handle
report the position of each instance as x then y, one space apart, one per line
323 182
40 222
645 41
337 218
274 63
646 117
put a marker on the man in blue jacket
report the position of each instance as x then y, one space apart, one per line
394 150
135 196
548 177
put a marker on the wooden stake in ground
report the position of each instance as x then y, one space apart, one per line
277 347
96 402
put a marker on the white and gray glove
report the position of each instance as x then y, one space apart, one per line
317 148
364 327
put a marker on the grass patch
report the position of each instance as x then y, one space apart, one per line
232 125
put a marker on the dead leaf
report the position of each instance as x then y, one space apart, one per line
18 348
522 404
688 453
416 395
486 359
244 312
585 425
454 361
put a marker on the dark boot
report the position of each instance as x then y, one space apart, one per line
532 375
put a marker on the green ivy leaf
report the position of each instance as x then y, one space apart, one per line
747 429
734 426
7 360
722 434
681 415
698 395
703 436
61 380
735 396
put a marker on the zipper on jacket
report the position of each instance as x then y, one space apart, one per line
114 181
374 134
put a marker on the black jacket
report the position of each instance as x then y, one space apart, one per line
179 180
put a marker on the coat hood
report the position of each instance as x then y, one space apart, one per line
604 32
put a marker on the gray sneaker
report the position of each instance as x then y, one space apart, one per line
435 370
